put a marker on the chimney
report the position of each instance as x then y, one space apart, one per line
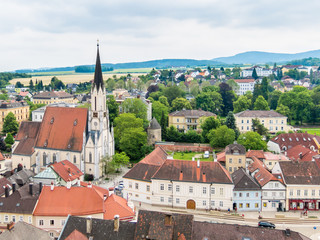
89 225
300 155
285 153
105 196
13 187
116 223
52 186
89 185
69 184
6 191
31 188
198 163
40 187
215 159
78 182
68 169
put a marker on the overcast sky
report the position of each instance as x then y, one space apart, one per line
43 33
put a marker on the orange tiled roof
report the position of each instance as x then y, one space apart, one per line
67 170
221 156
301 152
156 157
116 205
256 153
76 235
63 128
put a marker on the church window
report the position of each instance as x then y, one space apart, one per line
44 159
74 159
90 157
54 157
95 103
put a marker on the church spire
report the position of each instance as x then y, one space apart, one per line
98 80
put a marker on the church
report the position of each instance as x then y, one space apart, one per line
82 136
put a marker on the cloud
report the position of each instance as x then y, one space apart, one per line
38 33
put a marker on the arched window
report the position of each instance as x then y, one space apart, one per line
74 159
44 159
90 157
54 158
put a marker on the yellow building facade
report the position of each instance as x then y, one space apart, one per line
19 109
53 97
235 157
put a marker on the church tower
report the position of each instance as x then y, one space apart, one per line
100 139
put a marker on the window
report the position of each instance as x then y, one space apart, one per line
298 192
204 203
265 194
276 185
248 121
177 200
161 199
90 157
13 218
130 184
240 194
241 205
221 204
235 169
241 121
21 218
256 205
291 192
306 192
54 157
51 222
177 119
271 185
248 194
273 205
240 161
44 159
148 188
313 193
212 203
30 219
170 199
162 187
230 160
41 222
178 188
6 218
190 189
234 194
63 222
257 194
51 234
213 190
265 204
169 187
136 185
230 169
204 190
74 159
221 191
248 205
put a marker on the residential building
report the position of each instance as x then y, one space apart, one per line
284 141
79 135
154 132
50 97
271 120
19 205
137 181
269 159
185 120
24 231
303 184
4 163
301 153
273 188
261 72
246 192
20 178
245 85
60 173
56 203
19 109
235 157
192 185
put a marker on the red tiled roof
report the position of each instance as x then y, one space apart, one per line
290 140
156 157
257 153
221 156
301 152
63 128
66 170
76 235
180 170
244 80
116 205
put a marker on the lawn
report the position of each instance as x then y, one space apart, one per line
312 130
189 155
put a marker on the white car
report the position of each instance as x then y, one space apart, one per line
206 154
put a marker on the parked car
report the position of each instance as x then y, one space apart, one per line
206 154
266 224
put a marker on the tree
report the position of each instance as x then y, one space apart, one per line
131 142
242 104
173 135
10 124
253 141
228 96
164 100
31 86
113 108
265 88
119 160
230 122
209 101
173 92
4 96
284 110
111 84
254 74
180 103
261 104
158 109
258 127
221 137
135 106
9 139
163 124
209 124
274 98
191 136
19 85
235 86
126 121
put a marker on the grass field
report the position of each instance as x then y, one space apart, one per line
312 130
67 78
189 155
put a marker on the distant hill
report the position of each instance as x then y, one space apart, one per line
163 63
256 57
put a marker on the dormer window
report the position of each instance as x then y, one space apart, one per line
45 143
297 139
69 145
52 120
75 122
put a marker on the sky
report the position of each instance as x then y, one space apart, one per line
59 33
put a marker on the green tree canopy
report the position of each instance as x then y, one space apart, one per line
242 104
209 124
261 104
180 103
230 122
164 100
113 108
253 141
132 141
9 139
228 96
274 98
258 127
173 92
135 106
119 160
221 137
10 124
126 121
209 101
158 109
